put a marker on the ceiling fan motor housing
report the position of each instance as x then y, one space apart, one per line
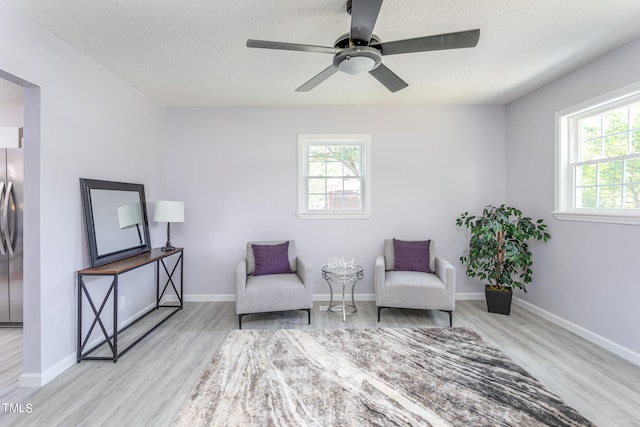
357 59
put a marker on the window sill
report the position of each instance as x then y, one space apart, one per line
602 217
337 215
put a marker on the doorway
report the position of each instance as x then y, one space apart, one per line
11 252
20 106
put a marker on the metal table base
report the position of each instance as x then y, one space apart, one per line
343 277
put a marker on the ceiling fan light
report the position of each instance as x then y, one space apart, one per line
357 65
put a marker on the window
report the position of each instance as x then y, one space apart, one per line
598 146
333 176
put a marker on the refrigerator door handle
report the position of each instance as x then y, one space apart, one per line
8 230
2 216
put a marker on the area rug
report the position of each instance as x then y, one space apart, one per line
359 377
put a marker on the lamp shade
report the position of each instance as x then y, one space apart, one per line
168 211
129 215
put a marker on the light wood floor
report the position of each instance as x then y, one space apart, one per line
148 385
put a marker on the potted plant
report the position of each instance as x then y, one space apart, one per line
498 251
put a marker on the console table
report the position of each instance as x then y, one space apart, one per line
115 269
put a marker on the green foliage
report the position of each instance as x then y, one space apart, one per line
498 251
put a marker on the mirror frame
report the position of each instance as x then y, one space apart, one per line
86 185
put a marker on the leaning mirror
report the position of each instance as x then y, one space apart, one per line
115 216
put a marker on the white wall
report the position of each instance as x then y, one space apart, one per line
236 170
83 121
587 275
11 115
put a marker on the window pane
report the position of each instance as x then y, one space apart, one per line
316 152
353 184
586 197
610 197
346 200
586 175
610 173
590 128
317 201
632 171
352 191
635 141
351 161
317 185
635 115
316 169
615 121
632 196
334 168
334 200
615 145
334 152
591 150
334 184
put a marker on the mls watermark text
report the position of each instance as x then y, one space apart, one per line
16 408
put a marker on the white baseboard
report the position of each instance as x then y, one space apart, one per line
30 380
38 380
599 340
209 298
463 296
316 297
372 297
202 298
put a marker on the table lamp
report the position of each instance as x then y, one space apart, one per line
168 211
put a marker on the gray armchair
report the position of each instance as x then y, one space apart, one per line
421 290
272 278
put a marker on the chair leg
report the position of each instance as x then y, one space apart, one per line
450 316
308 310
240 321
380 309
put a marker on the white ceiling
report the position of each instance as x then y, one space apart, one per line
192 53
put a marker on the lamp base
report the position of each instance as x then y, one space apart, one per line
168 246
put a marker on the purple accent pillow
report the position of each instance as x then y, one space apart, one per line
411 256
271 259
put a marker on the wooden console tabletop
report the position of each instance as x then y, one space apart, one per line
124 265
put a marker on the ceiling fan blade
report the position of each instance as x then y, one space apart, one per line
364 14
424 44
388 78
319 78
265 44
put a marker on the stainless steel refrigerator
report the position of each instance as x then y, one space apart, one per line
11 226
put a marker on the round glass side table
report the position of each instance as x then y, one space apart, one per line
342 276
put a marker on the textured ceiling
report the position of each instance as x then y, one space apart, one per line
193 53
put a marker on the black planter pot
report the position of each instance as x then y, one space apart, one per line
498 301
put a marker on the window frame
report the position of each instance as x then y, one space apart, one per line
307 140
566 149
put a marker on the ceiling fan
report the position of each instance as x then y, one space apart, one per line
361 51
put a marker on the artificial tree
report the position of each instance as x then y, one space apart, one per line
498 251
